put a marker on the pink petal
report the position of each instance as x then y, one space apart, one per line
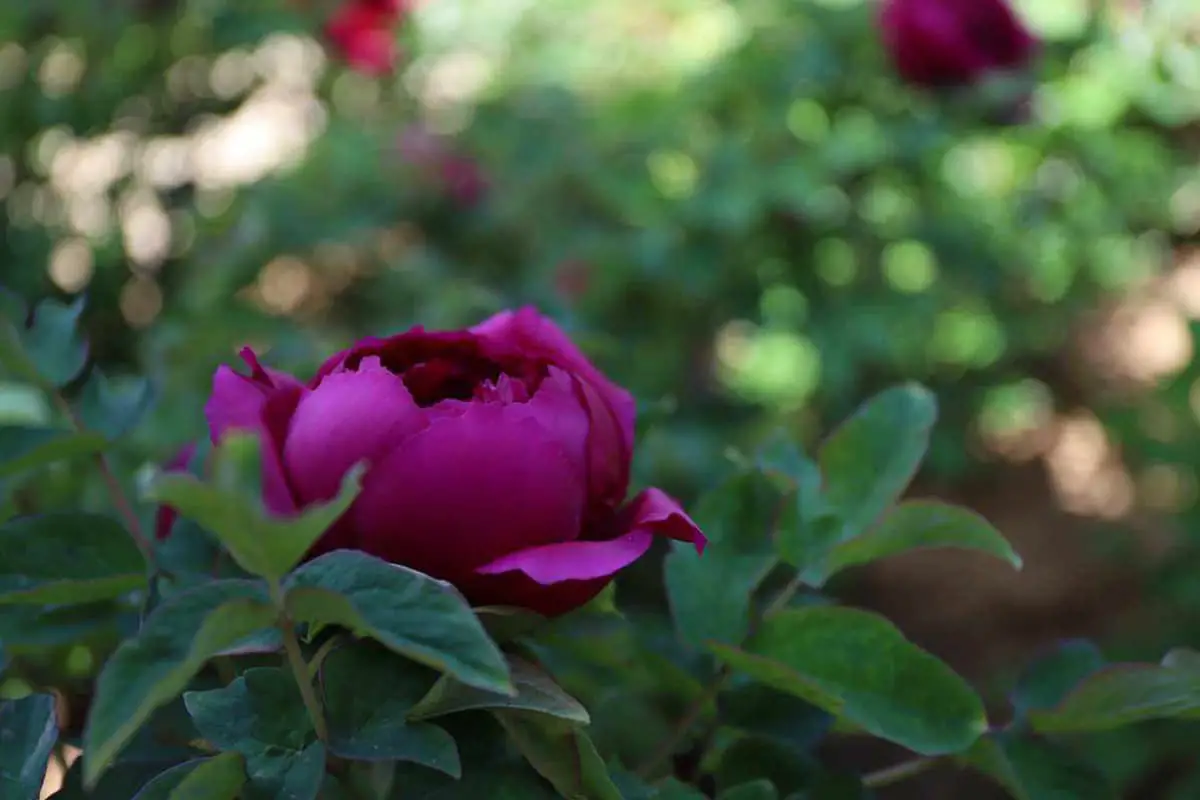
527 334
261 403
350 417
557 578
466 490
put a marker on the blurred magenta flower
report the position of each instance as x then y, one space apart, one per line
499 458
953 42
164 520
363 33
460 176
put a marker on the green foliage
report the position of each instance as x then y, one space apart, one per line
405 611
763 217
103 562
260 545
857 666
381 725
28 730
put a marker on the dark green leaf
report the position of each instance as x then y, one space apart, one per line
562 753
113 408
1049 679
1035 769
1179 658
504 623
28 731
175 641
917 524
870 459
775 715
260 544
807 525
217 778
1121 695
124 779
858 666
711 594
67 557
262 716
49 626
25 448
536 692
402 609
503 781
754 790
372 726
53 344
371 779
749 758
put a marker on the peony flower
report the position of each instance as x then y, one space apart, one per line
953 42
498 458
362 31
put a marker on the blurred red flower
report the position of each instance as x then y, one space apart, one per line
953 42
362 31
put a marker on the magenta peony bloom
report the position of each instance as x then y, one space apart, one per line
953 42
362 31
499 458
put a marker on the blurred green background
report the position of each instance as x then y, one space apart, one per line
733 206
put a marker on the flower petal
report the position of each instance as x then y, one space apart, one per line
261 403
526 334
350 417
466 490
557 578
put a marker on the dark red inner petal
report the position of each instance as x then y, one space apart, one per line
449 365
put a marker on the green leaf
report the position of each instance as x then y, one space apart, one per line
28 731
536 691
262 716
260 544
103 561
710 595
505 623
1049 679
23 449
372 726
754 790
175 642
871 457
987 755
774 715
124 779
53 344
50 626
113 408
1030 768
1122 695
856 665
404 610
807 526
561 753
912 525
1179 658
218 778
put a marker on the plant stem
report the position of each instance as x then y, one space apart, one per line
678 733
295 660
116 493
898 772
690 717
